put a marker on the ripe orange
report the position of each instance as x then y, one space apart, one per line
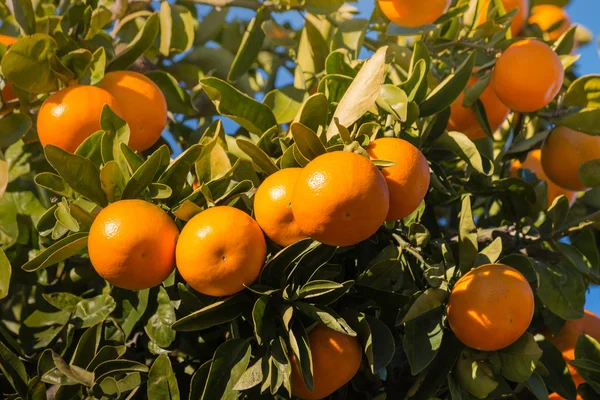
273 207
143 106
490 307
408 180
534 164
564 151
463 119
549 16
71 115
528 76
8 92
132 244
412 13
518 21
566 339
336 359
220 250
340 199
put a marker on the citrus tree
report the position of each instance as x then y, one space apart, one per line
396 207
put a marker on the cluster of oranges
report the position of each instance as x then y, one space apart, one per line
339 198
526 78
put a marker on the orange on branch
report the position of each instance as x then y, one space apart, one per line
413 13
534 164
220 250
132 244
143 106
564 151
336 359
340 199
490 307
463 119
551 19
71 115
528 76
273 207
408 180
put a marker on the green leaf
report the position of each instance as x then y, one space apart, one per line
5 273
217 313
62 300
13 127
159 324
430 299
58 252
561 289
176 29
536 385
250 46
199 381
422 339
312 52
323 7
24 14
131 306
559 379
73 372
258 156
285 102
519 360
143 176
585 121
254 116
449 89
94 310
116 367
460 145
476 374
162 383
376 339
468 237
87 346
79 173
13 370
178 99
54 183
394 101
397 30
490 254
106 353
589 173
229 363
112 181
362 93
584 92
307 141
325 316
27 63
350 35
101 17
314 112
176 174
324 292
142 42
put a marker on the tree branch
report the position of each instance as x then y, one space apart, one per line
251 4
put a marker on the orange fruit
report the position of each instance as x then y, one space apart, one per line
490 307
528 76
549 16
564 151
71 115
143 106
132 244
534 164
336 359
462 119
408 180
8 92
412 13
340 199
566 339
518 21
273 207
220 251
